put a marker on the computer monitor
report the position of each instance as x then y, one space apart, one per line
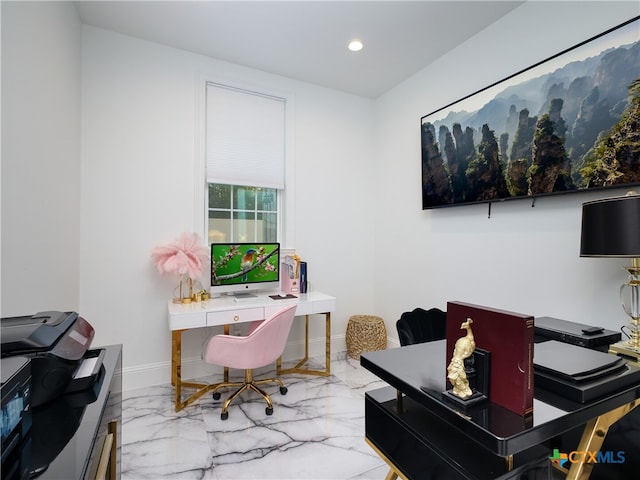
242 268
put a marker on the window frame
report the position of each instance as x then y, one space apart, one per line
233 209
286 204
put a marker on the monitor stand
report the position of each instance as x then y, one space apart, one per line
243 296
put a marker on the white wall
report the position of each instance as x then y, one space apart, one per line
521 259
40 157
140 105
357 171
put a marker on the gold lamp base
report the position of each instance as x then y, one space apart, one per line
623 349
630 301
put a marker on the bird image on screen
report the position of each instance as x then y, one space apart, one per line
247 262
239 268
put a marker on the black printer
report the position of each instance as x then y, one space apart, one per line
49 376
16 417
54 342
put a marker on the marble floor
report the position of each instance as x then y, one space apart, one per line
316 432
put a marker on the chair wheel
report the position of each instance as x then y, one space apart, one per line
284 390
216 395
224 415
269 410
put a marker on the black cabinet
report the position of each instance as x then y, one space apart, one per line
424 446
422 435
77 437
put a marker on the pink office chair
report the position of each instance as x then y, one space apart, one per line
262 346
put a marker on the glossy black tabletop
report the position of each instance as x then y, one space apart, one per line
419 371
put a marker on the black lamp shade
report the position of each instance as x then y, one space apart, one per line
611 227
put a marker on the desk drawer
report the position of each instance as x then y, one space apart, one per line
317 306
235 316
423 445
275 308
187 320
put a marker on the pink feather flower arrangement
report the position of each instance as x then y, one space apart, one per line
184 256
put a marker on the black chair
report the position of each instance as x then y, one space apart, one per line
421 326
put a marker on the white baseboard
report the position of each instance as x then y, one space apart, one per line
194 367
392 343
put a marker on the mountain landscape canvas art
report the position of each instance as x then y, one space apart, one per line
569 123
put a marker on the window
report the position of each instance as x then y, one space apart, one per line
245 165
242 213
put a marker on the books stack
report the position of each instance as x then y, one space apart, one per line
294 275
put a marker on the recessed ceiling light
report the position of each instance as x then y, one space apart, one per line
355 45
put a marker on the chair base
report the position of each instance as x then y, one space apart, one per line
248 384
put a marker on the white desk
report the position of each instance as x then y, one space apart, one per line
226 311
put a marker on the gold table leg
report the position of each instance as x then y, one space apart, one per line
595 431
327 361
176 352
176 375
394 473
508 462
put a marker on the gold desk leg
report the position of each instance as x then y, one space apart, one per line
176 362
307 371
593 437
394 473
112 429
306 338
327 346
508 461
176 375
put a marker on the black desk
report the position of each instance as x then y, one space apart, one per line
496 440
72 441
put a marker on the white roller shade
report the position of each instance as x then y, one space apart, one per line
245 137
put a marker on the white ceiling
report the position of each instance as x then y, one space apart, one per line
306 40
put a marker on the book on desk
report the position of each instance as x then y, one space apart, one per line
508 336
580 374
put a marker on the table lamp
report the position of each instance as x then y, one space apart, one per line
611 228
